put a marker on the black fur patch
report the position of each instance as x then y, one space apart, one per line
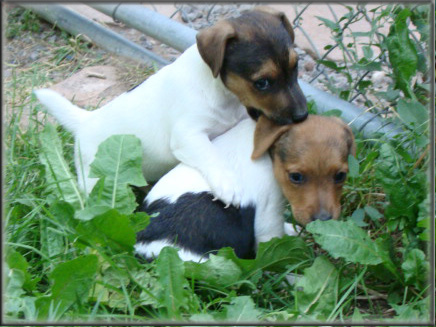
254 113
198 224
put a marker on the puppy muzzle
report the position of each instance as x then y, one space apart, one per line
294 118
297 106
322 215
256 113
295 110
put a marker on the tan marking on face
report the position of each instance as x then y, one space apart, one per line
293 58
247 93
269 104
314 148
268 70
240 87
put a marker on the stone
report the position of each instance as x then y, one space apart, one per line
309 65
92 86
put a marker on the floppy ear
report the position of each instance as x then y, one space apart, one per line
350 141
211 43
349 136
265 134
280 15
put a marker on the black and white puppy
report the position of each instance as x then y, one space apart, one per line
191 219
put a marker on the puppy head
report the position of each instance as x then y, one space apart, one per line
254 56
310 163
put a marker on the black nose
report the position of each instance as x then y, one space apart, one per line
283 121
322 215
300 118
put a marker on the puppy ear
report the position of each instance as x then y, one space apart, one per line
348 136
350 141
211 43
280 15
265 134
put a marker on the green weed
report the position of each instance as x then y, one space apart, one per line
20 20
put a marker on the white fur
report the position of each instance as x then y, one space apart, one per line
152 250
290 230
258 185
175 113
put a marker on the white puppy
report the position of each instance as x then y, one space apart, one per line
205 92
174 118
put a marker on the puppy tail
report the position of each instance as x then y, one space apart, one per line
67 114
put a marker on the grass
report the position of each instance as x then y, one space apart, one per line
62 268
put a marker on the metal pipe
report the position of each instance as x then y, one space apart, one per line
361 121
157 26
75 24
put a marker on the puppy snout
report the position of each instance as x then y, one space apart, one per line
295 118
322 215
300 117
297 103
282 120
290 107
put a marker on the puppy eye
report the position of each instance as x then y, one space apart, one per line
340 177
263 84
296 178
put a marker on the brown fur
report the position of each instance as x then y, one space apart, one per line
212 44
257 45
318 148
250 98
268 70
293 58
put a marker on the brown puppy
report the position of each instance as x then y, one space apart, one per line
254 56
310 161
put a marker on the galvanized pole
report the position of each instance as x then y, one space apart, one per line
361 121
75 24
157 26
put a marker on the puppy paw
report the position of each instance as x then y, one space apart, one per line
226 188
290 230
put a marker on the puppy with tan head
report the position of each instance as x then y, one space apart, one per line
310 163
305 163
239 66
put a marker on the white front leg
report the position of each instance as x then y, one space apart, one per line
269 220
194 148
290 230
